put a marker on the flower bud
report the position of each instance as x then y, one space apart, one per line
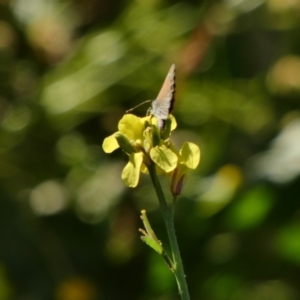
147 139
124 143
177 182
165 133
155 136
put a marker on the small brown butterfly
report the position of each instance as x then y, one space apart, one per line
163 105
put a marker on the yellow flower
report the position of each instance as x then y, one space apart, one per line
145 144
131 127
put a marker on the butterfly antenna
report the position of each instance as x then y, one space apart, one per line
131 109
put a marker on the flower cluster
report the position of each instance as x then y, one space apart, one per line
145 144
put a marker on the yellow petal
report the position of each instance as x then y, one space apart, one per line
164 157
131 172
174 123
110 144
190 155
132 127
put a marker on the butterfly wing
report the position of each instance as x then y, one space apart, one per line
163 105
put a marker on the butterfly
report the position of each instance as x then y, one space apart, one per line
163 105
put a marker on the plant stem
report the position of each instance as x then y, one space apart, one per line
168 219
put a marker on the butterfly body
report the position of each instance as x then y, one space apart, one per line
163 105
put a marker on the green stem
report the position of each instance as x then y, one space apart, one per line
178 267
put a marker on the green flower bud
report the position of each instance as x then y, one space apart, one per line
147 139
155 136
124 143
165 133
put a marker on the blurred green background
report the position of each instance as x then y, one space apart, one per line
68 72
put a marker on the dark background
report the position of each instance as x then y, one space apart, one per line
68 72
